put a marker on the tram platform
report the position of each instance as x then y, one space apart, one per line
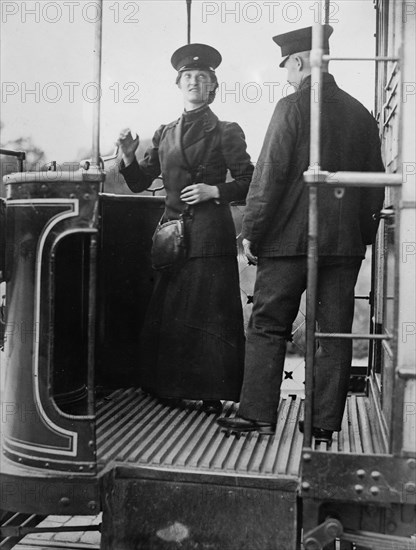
153 456
135 428
177 469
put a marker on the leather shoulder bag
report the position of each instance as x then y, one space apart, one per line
169 248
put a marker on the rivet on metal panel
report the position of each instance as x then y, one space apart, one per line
92 505
306 486
361 473
410 487
374 490
375 475
307 457
411 463
87 196
358 488
391 527
64 501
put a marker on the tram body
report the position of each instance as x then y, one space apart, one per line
79 436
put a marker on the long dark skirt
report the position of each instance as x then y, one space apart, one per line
192 342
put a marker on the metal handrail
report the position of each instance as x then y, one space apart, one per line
97 79
315 177
312 254
20 155
327 57
350 336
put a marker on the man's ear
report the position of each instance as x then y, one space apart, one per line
299 62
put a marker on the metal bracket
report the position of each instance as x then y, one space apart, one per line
358 478
20 155
86 163
386 213
323 534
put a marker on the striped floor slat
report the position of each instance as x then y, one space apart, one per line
134 428
360 434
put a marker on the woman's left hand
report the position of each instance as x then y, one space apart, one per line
199 192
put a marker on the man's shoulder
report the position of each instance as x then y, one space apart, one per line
354 103
289 100
286 109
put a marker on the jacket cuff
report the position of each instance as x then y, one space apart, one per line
226 194
125 169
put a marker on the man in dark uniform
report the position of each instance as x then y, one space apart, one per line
275 238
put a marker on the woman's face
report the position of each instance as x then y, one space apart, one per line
196 86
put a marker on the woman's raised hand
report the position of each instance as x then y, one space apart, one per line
199 192
128 145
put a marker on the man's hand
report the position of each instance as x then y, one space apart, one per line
128 145
199 192
252 259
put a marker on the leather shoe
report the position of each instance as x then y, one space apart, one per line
320 434
239 425
211 406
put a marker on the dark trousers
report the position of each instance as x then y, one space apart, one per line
279 286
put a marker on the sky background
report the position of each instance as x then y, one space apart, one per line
47 64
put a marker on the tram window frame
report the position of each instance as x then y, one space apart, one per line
71 271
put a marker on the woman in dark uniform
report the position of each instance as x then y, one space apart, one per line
192 341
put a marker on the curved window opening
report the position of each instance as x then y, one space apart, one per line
70 324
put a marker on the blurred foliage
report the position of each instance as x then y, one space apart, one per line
35 158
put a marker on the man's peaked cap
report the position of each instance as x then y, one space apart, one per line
300 41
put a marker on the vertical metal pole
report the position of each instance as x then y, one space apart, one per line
312 280
21 160
95 157
372 327
188 9
326 11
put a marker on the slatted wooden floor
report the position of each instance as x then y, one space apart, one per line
134 428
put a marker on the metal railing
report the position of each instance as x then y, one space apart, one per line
20 155
315 177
